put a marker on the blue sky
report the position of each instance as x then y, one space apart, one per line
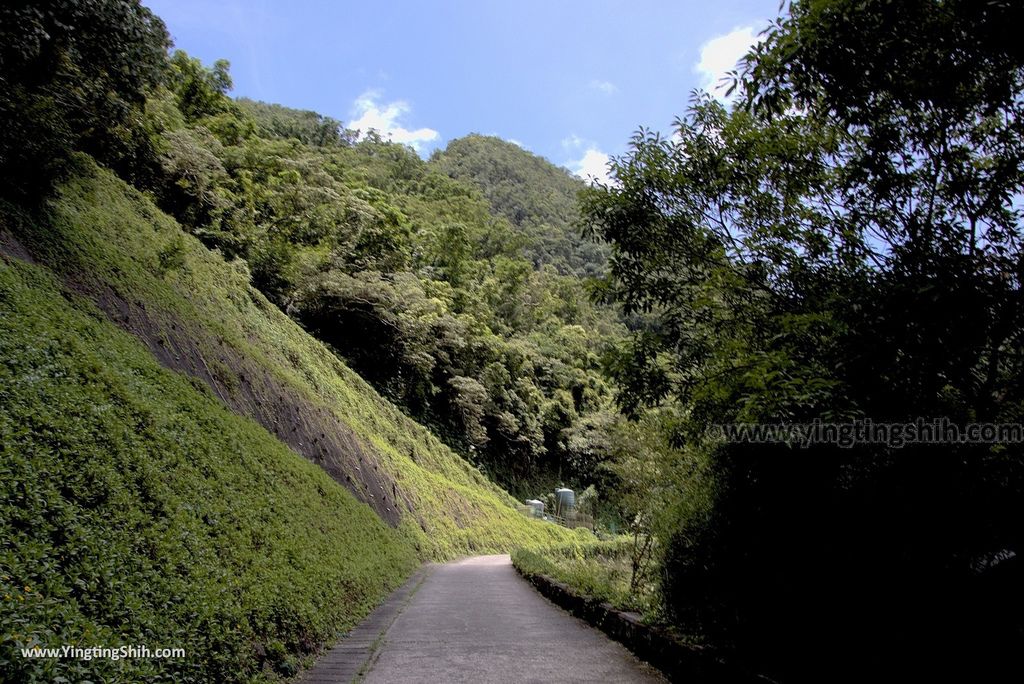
567 80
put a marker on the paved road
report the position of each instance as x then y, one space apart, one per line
476 620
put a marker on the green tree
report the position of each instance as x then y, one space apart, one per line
845 244
74 76
200 91
637 479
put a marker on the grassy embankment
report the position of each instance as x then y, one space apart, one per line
600 570
137 508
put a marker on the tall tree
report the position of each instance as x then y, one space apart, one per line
844 244
73 76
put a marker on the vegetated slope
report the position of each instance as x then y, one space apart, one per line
533 194
404 272
137 508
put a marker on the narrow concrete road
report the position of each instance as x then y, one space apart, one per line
476 620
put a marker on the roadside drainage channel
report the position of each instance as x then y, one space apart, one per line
350 658
677 661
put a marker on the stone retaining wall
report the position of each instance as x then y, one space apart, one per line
678 661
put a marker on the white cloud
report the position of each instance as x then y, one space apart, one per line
720 54
383 118
606 87
573 142
592 166
517 143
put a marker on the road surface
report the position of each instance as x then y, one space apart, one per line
477 620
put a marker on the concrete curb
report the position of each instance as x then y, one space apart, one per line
351 656
677 661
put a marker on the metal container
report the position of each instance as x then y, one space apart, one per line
565 501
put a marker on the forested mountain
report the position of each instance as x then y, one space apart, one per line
405 271
536 196
476 324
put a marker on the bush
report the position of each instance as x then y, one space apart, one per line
74 76
598 569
